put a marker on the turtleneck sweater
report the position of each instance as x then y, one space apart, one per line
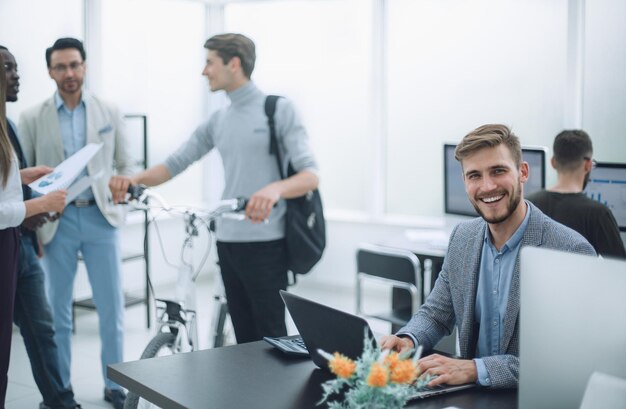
240 133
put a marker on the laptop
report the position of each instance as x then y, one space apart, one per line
323 327
572 311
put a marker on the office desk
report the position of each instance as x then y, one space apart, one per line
256 376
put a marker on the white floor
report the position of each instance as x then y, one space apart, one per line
86 372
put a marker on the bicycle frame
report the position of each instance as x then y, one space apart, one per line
178 321
179 317
173 316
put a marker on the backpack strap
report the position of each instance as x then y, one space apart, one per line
270 110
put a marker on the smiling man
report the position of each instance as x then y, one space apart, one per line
478 286
51 132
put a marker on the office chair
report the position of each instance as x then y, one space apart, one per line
400 270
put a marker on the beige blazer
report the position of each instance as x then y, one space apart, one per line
40 136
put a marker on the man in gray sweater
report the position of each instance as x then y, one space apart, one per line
252 253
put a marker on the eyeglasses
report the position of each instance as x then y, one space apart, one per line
593 161
62 69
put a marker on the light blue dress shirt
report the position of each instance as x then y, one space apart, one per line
73 126
492 296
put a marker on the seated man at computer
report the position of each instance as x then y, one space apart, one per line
566 203
478 287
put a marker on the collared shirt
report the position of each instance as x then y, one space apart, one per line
492 296
73 127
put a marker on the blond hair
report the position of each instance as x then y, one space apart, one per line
489 136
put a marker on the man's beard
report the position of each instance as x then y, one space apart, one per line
514 201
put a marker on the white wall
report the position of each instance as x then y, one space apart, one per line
604 92
456 65
27 29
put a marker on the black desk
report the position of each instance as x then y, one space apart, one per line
255 375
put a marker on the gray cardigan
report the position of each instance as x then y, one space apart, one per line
453 298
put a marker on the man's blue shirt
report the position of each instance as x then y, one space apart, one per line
73 126
492 297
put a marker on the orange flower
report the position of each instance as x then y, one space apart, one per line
403 372
391 360
342 366
378 376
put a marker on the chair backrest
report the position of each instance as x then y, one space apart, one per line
389 263
397 268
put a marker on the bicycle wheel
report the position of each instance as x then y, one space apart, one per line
161 345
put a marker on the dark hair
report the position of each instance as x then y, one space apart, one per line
3 48
64 44
570 148
231 45
6 149
489 136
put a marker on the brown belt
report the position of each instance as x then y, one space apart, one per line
83 202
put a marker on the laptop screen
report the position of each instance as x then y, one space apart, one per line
326 328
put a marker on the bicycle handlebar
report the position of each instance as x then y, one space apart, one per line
136 191
140 193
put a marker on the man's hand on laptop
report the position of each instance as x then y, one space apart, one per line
448 370
396 343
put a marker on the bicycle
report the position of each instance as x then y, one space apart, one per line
176 319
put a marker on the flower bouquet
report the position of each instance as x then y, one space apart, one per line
376 380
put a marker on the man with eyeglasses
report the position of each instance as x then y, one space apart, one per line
566 203
50 133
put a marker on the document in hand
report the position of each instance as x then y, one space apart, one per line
66 172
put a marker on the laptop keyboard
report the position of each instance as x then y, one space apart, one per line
293 345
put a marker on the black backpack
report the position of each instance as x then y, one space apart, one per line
305 227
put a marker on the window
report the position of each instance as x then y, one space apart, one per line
456 65
28 45
152 68
319 55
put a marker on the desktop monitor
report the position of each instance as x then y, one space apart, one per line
572 310
607 184
455 198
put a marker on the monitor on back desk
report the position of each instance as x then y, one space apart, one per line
571 324
455 198
607 185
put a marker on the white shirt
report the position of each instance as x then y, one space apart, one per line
12 207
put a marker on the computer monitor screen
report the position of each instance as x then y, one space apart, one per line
455 198
607 184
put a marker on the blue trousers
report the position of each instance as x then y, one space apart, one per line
86 230
33 316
